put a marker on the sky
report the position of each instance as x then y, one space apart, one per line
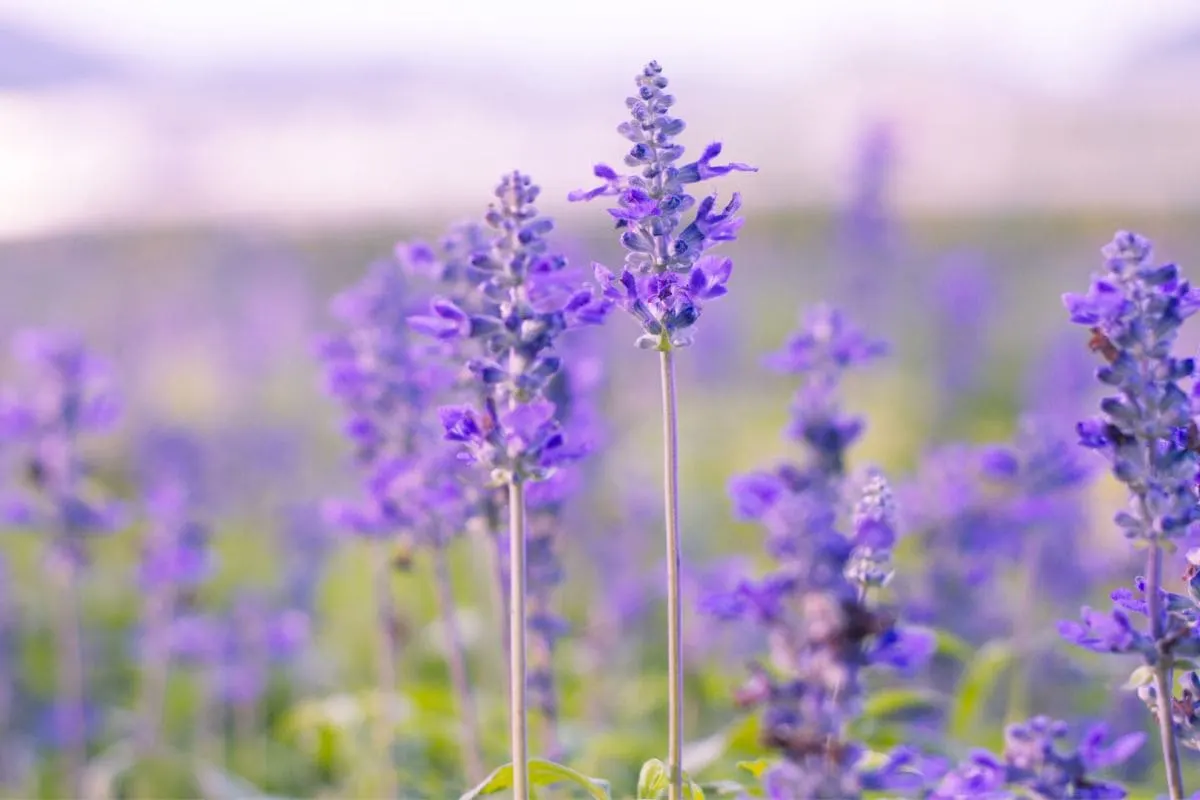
974 86
1064 43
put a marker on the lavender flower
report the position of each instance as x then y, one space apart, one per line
1134 311
668 272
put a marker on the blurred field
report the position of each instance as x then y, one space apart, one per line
210 331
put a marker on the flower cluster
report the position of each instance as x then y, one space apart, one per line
69 396
978 509
1033 764
822 626
526 299
387 380
1134 311
668 271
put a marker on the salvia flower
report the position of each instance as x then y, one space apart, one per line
1034 763
824 347
874 523
669 272
525 298
1135 310
823 628
979 510
387 380
68 397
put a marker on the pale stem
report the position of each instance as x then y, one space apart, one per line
1163 681
674 598
516 647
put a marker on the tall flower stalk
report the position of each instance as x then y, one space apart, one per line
525 298
667 276
1134 311
823 626
387 380
175 560
68 398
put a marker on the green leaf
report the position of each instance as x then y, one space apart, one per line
886 702
652 780
977 684
541 773
1142 676
951 646
755 768
1185 665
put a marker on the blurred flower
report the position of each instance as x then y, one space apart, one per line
1032 763
823 630
67 397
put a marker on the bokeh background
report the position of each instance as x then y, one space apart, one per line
187 184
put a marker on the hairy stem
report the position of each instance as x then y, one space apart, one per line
70 675
516 640
1163 681
387 631
674 599
456 658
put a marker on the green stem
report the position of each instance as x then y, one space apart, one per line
674 599
516 633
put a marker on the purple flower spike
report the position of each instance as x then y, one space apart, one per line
652 202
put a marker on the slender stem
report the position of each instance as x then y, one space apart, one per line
674 599
387 631
456 658
516 634
70 674
156 668
1163 682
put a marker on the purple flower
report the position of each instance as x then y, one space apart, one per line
1105 633
67 397
649 213
1135 311
1034 764
524 298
